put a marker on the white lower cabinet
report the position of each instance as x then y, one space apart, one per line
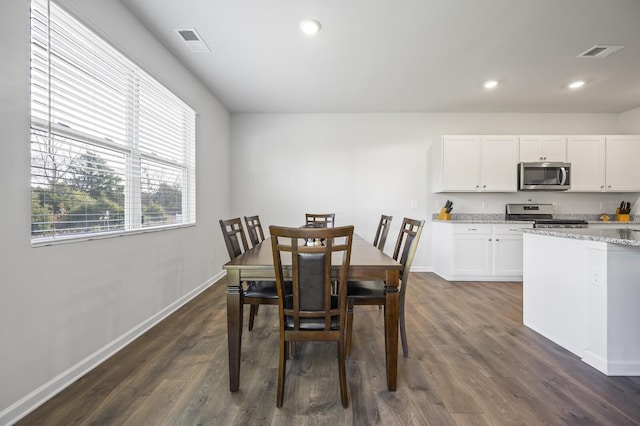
478 252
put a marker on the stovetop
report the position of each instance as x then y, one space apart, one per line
541 214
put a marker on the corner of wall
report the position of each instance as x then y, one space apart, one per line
630 121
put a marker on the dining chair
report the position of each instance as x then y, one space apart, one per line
254 229
326 220
372 292
311 312
255 293
380 238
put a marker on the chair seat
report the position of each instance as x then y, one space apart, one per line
264 289
366 289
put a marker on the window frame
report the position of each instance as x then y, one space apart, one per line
175 159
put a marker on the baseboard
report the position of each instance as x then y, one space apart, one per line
422 269
33 400
612 367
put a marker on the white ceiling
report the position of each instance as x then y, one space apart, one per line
406 55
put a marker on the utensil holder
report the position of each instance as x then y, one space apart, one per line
443 215
621 217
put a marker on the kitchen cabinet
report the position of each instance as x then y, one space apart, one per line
604 163
478 252
543 148
476 164
622 165
587 157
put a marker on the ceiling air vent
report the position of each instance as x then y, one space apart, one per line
193 40
600 51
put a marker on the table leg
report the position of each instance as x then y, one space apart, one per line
234 327
391 313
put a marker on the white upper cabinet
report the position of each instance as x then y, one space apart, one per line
623 163
538 148
481 163
476 163
586 155
604 163
499 164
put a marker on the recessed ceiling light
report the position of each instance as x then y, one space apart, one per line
490 84
310 26
576 84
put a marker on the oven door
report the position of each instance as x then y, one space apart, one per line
544 176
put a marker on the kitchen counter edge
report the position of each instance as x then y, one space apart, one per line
626 237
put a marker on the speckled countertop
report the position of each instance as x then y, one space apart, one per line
500 218
627 237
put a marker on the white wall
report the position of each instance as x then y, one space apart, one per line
363 165
64 308
630 121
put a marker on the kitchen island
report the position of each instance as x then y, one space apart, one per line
581 289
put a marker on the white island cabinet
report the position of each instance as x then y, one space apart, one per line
581 290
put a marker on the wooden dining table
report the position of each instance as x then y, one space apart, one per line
367 263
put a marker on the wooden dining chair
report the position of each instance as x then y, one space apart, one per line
255 293
372 292
254 229
326 220
311 312
380 238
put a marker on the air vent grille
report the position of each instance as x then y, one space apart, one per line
600 51
193 40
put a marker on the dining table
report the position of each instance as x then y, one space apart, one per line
367 264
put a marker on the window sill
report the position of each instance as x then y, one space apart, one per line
104 235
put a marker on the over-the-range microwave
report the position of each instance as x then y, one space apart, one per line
544 176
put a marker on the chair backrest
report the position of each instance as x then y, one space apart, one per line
234 237
326 220
381 234
311 305
254 229
406 246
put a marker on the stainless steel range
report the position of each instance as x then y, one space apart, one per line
541 215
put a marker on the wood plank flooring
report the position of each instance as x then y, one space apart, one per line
471 361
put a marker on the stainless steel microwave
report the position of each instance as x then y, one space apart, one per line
544 176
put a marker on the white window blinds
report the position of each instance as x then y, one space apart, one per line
112 150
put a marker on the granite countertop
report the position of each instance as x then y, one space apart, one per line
500 218
627 237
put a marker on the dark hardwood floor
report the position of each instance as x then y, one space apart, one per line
471 361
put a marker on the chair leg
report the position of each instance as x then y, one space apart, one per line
342 369
349 327
403 331
252 314
282 367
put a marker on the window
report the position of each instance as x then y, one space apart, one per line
112 150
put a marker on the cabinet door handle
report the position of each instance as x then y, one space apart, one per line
489 239
497 239
472 229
